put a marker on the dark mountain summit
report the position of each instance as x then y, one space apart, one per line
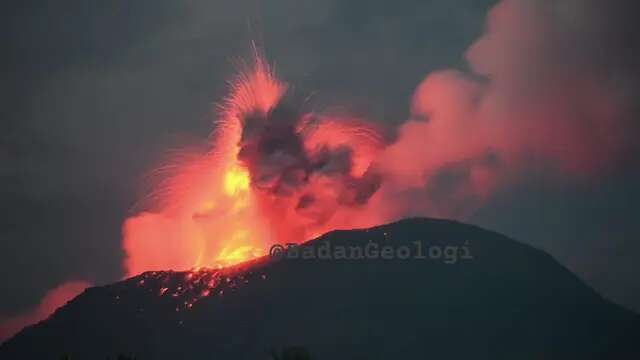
418 288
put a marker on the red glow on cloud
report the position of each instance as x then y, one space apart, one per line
52 300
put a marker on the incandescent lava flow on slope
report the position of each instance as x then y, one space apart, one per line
272 174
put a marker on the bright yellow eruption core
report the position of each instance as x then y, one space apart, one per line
235 180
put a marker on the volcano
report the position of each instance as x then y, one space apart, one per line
501 299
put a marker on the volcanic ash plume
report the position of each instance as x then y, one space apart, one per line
273 174
539 95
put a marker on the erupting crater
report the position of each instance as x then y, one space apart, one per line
273 173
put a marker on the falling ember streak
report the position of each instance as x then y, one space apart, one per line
272 175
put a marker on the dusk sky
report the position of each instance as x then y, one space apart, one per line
97 94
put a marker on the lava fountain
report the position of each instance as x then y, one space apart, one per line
272 174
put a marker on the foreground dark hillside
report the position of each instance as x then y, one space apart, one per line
499 299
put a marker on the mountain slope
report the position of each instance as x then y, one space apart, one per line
504 300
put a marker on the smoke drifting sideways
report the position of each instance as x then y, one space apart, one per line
541 91
272 174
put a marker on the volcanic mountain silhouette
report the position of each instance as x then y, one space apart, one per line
505 300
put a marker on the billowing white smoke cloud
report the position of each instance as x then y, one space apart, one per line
536 94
